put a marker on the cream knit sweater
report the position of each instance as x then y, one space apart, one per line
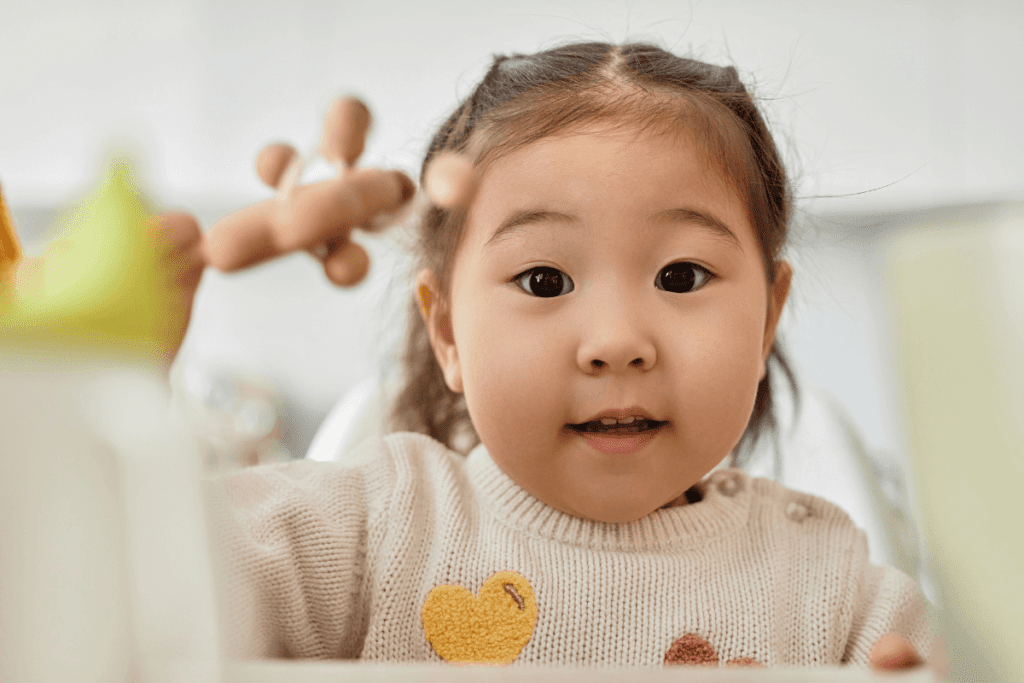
382 559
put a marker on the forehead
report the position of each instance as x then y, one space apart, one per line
602 174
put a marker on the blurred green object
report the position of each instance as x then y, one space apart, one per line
958 311
100 286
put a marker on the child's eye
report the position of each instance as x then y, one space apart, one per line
547 282
544 281
682 277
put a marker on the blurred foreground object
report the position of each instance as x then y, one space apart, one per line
10 249
958 309
105 572
235 417
100 286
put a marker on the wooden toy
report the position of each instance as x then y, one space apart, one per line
317 217
451 181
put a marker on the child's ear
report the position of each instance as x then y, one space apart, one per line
778 292
435 313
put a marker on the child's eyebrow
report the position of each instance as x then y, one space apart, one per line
524 217
520 219
704 220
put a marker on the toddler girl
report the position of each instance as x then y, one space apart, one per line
598 326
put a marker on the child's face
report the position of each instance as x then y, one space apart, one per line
603 215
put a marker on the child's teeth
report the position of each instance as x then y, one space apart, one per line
610 421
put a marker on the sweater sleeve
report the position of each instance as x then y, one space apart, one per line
884 600
290 544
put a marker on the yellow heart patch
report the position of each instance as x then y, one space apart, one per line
490 629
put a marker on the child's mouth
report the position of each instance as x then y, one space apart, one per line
619 439
638 425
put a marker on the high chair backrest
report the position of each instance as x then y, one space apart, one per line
359 415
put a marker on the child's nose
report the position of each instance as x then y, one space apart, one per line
597 363
616 338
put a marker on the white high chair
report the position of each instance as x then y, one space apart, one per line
822 454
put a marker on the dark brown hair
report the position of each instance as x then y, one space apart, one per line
524 98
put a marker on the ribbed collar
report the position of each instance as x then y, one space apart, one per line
724 509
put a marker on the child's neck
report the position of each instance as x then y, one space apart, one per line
694 494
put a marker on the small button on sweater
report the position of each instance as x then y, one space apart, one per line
410 552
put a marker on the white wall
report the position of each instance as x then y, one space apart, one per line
920 99
924 94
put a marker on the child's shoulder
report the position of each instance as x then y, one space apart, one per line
803 514
367 476
374 452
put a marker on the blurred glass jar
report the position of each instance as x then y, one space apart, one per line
236 417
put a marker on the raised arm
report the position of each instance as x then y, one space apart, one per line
317 218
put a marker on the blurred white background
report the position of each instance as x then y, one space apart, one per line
897 106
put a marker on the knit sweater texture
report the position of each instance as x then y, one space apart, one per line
410 552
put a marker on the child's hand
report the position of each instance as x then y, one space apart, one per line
893 652
316 217
181 251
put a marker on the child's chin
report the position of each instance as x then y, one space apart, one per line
623 517
610 513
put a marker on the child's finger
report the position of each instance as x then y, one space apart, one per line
184 241
347 265
940 659
893 651
180 230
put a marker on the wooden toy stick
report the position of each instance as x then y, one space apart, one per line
290 178
312 215
10 249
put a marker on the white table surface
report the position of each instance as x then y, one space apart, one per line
281 671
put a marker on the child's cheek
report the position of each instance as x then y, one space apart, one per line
501 362
720 378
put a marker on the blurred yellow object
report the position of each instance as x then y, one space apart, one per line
99 287
959 316
10 251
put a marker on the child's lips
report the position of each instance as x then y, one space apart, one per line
635 426
621 443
